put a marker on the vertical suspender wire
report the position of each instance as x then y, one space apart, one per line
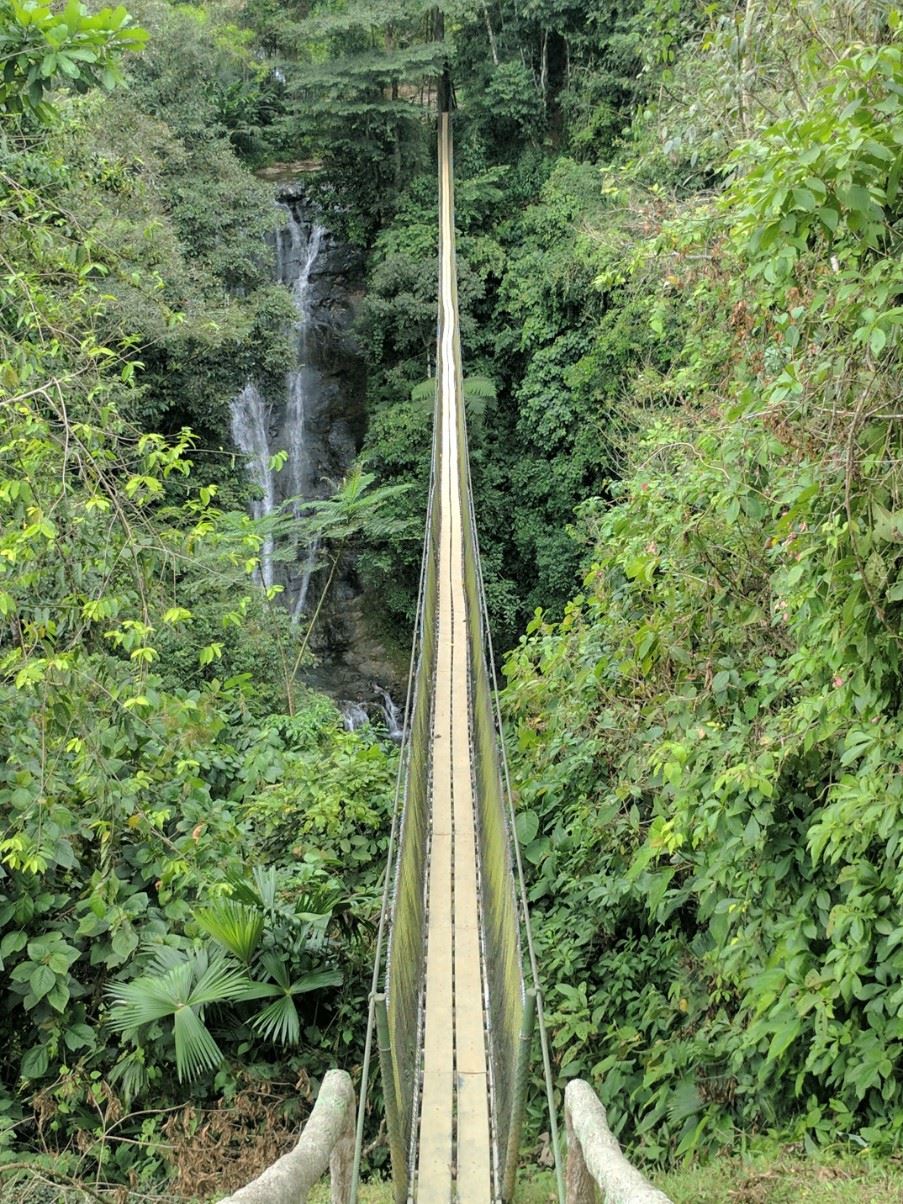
393 840
522 889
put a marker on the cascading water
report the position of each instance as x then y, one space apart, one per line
302 381
354 715
251 433
391 715
315 415
263 426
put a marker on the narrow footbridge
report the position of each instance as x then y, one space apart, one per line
455 1020
452 1013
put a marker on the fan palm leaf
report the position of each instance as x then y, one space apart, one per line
279 1022
221 982
149 998
237 926
181 993
196 1050
316 980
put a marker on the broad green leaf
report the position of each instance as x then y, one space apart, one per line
12 942
527 824
41 981
35 1062
316 981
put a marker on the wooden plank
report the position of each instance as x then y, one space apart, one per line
474 1170
441 821
470 1044
436 1154
437 1109
436 1137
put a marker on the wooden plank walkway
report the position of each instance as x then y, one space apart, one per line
454 1160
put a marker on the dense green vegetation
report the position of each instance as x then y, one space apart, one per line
190 841
707 740
681 302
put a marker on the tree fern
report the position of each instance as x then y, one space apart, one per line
425 391
477 390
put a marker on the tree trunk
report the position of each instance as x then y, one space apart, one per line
396 150
595 1158
327 1143
743 66
492 43
544 76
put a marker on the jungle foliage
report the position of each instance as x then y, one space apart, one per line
528 79
681 290
707 742
679 259
190 841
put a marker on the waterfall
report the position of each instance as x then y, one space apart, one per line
256 429
311 420
308 568
301 383
251 433
354 715
391 715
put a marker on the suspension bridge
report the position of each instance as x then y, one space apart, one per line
453 1014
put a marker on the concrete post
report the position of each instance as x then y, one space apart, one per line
326 1143
594 1156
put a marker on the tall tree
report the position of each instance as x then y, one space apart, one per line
362 85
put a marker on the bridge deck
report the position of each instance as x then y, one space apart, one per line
454 1138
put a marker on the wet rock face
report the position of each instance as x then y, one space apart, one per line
317 417
325 276
356 663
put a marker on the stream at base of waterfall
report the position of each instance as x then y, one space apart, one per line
314 423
